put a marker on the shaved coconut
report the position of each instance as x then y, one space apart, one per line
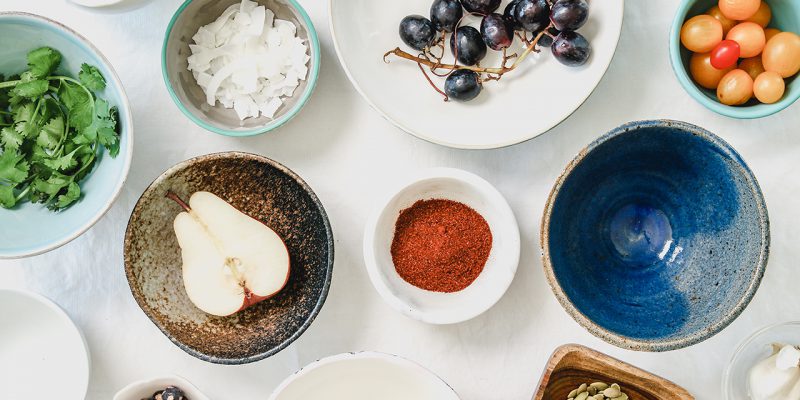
248 60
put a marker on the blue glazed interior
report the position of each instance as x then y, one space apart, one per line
656 234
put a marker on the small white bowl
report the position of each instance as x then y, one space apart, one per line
491 284
365 375
144 389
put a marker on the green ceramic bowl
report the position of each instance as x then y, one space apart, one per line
191 99
30 229
785 16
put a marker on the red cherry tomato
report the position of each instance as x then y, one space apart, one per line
725 55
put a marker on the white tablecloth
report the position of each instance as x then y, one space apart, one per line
348 153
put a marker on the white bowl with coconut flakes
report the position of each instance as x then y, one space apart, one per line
240 67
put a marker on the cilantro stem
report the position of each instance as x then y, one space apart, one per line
71 80
23 193
5 113
9 84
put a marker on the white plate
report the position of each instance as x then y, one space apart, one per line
526 103
42 353
144 389
363 376
491 284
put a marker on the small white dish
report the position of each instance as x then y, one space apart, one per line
144 389
364 376
491 284
41 349
527 102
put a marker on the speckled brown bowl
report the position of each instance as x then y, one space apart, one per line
264 190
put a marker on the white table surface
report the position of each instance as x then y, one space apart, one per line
348 153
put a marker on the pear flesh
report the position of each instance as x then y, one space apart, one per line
230 260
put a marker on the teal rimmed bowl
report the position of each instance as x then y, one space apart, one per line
785 16
188 95
31 229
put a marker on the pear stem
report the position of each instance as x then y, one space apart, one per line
171 195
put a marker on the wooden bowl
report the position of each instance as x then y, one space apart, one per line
572 365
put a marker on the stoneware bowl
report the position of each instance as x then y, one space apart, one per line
364 376
189 96
37 230
573 365
39 344
265 190
491 284
656 236
785 16
144 389
754 349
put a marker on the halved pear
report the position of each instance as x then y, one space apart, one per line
230 260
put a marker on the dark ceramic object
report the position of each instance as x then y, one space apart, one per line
656 236
264 190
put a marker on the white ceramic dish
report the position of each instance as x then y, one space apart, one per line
524 104
41 349
755 348
364 376
144 389
488 288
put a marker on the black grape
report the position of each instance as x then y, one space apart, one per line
417 31
463 85
471 48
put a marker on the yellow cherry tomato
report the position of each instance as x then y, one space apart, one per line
762 16
739 10
769 33
752 66
703 73
750 37
735 88
769 87
701 33
782 54
726 22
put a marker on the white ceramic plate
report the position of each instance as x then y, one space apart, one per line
363 376
524 104
42 353
497 274
144 389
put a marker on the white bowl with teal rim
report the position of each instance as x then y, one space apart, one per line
31 229
191 99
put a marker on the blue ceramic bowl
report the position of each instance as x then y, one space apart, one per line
785 16
35 229
656 236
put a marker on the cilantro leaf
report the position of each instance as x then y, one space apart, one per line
65 200
13 168
52 185
62 163
91 77
7 198
31 89
78 103
51 133
43 61
12 140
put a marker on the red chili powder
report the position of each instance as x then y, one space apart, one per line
440 245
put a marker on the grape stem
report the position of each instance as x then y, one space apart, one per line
496 71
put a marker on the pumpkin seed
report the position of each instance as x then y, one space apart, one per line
582 396
599 386
622 396
599 396
572 394
613 391
592 390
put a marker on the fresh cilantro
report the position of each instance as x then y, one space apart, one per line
53 130
92 78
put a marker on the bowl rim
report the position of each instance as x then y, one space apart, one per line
726 377
739 112
127 128
328 273
479 184
657 345
462 146
357 355
312 78
68 322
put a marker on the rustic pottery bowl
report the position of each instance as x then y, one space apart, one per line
36 229
144 389
264 190
754 349
491 284
365 375
572 365
189 96
656 236
785 16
